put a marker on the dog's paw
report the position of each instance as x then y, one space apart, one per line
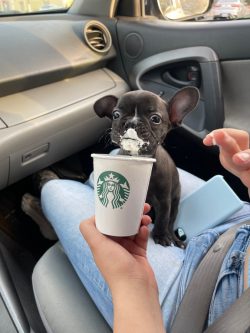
163 240
168 240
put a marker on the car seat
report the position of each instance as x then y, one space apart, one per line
63 302
66 307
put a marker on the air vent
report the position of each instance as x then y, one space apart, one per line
97 36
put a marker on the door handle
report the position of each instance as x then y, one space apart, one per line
193 74
170 79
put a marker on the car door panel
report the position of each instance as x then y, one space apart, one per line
156 37
236 83
159 80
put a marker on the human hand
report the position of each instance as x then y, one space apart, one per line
124 265
234 151
121 259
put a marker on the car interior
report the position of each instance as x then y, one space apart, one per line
54 66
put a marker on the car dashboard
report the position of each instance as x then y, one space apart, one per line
47 96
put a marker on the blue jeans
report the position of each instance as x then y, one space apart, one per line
66 203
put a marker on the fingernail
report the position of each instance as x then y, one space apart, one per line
245 157
213 139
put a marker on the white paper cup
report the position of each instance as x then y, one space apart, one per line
121 185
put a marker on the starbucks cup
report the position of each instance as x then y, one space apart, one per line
121 185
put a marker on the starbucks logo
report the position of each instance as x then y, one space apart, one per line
112 189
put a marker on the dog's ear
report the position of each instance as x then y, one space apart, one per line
184 101
105 105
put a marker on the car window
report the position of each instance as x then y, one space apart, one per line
229 9
15 7
189 10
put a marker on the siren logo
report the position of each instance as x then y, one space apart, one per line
112 189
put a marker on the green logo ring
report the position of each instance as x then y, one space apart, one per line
112 189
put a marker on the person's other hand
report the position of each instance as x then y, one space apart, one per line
234 151
121 259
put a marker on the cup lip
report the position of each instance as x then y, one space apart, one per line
124 158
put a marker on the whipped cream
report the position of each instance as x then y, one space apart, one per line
131 142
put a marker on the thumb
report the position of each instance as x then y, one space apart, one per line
142 237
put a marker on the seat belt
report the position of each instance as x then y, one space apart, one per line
236 318
192 312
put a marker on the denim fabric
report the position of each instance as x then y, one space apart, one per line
229 285
66 203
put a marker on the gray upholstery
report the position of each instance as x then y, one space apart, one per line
63 302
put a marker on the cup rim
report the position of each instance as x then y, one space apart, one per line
124 158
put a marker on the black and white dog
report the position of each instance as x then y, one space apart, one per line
140 123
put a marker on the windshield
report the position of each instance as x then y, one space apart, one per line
10 7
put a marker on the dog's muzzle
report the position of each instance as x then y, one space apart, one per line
131 142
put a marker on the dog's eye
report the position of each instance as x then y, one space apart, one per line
155 118
116 115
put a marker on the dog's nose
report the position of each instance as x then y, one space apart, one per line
132 123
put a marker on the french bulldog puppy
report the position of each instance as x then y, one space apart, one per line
140 123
